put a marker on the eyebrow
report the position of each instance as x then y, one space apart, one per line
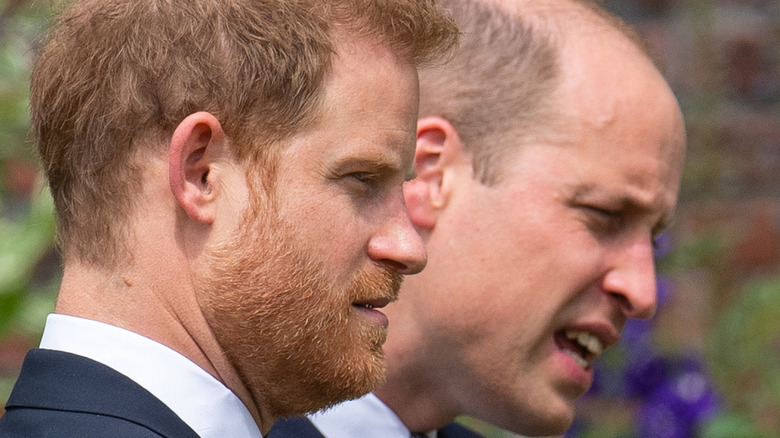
376 163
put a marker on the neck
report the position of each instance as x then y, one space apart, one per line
160 306
420 411
412 391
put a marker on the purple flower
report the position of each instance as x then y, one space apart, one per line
676 407
664 290
637 334
658 419
575 430
663 245
608 382
645 374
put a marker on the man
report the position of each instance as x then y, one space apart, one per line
228 178
549 154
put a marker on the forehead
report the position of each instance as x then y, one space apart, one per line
614 99
619 134
368 107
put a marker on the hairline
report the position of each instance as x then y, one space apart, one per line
548 18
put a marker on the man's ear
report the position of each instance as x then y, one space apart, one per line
196 144
438 148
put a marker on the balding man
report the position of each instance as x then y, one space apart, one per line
549 154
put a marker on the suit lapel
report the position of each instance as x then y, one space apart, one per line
66 382
294 427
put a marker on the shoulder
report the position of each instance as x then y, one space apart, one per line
61 424
64 395
455 430
294 427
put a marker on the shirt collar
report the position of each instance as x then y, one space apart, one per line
200 400
362 417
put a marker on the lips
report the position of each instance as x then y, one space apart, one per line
374 303
584 346
368 309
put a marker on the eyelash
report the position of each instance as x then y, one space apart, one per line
364 184
367 178
603 213
606 221
364 177
611 219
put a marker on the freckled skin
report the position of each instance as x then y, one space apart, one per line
339 195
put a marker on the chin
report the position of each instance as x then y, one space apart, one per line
536 423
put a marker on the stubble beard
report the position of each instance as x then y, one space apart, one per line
291 333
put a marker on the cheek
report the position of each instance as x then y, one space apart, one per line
515 317
501 347
332 236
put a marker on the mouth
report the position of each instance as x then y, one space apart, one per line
371 304
369 309
583 346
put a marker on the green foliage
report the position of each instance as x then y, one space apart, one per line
731 425
26 219
19 35
744 351
704 250
13 99
23 243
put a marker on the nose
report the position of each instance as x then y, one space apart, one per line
397 245
631 280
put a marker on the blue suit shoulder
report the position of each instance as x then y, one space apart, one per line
301 427
64 395
294 427
455 430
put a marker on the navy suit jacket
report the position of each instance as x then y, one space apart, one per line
301 427
62 395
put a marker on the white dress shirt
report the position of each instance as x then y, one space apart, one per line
200 400
360 418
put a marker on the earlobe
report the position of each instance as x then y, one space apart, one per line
428 193
418 205
195 144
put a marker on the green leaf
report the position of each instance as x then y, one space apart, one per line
731 426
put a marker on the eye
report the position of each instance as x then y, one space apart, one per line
604 213
363 184
602 219
367 178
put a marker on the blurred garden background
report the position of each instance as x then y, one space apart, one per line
708 365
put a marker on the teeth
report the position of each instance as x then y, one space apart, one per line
577 358
586 340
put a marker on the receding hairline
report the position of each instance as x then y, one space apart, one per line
549 33
571 17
